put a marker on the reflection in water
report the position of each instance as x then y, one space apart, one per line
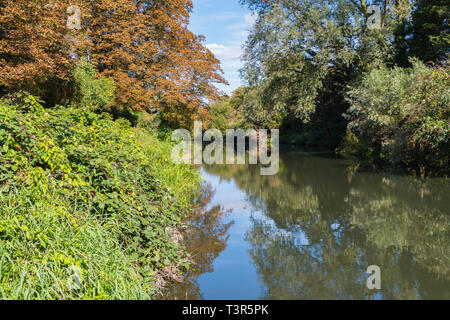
316 226
205 239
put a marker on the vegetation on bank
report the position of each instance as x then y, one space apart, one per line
401 116
81 189
400 221
315 70
86 184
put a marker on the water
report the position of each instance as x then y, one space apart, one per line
311 231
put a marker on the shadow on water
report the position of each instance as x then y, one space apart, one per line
315 227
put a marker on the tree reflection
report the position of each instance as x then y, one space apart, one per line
205 238
323 226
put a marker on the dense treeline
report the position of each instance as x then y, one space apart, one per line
144 46
400 116
317 70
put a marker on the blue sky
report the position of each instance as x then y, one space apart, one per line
225 24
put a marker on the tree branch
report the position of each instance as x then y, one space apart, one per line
362 7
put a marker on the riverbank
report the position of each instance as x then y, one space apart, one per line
88 205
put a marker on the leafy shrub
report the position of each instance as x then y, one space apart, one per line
226 114
77 188
402 115
92 91
429 121
377 109
353 149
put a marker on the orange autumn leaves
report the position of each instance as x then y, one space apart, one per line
145 46
31 43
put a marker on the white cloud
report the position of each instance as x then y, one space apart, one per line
247 23
229 56
226 26
225 53
250 19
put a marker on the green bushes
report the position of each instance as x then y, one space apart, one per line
90 90
352 148
401 116
79 189
221 113
429 121
226 112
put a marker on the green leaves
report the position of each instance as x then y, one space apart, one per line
92 91
429 121
294 49
77 176
429 30
402 115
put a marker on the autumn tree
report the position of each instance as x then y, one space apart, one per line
34 46
157 63
144 46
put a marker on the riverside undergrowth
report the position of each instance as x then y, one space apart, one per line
80 191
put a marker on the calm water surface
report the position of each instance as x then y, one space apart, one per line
311 231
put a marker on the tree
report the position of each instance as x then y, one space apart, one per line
320 226
429 28
33 45
90 90
297 49
146 47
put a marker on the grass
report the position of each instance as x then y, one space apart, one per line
86 204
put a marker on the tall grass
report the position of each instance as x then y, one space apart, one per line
79 191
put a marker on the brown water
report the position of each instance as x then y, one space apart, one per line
311 231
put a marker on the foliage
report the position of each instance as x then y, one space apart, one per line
156 62
377 107
352 148
144 46
429 29
80 189
402 115
296 48
226 112
95 92
429 121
